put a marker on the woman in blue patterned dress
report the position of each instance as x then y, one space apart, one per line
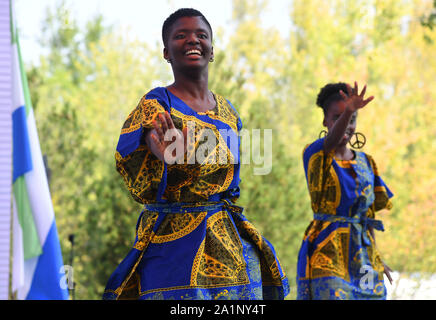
179 156
338 258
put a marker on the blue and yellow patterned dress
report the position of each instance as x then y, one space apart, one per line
338 258
192 241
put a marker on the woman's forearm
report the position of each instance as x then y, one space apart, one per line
337 131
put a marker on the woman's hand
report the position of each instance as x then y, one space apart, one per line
353 100
166 135
386 270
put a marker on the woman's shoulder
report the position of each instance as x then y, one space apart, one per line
154 98
223 101
364 155
313 147
227 111
157 93
370 160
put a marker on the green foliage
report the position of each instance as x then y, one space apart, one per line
429 20
92 78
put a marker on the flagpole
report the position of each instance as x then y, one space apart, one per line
71 287
11 294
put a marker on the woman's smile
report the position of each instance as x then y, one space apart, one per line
193 52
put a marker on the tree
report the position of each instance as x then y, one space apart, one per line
82 91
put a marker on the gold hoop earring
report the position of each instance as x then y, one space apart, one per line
359 140
322 134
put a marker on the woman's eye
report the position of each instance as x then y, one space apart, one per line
179 36
202 36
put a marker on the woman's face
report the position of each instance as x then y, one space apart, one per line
333 113
189 44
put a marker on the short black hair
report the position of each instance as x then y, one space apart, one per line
180 13
329 94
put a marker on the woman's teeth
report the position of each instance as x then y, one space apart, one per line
190 52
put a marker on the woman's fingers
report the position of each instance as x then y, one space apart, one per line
388 274
185 136
343 94
356 89
166 123
156 140
362 94
349 90
387 271
169 121
163 120
160 134
365 102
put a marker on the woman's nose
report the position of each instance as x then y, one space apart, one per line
192 38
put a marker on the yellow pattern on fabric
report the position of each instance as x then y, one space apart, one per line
314 229
196 264
142 171
375 258
183 287
219 261
344 163
130 290
200 129
382 200
324 187
145 230
226 113
217 225
341 294
331 256
223 293
179 225
130 287
200 180
143 115
268 263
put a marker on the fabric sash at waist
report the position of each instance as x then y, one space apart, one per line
365 222
183 207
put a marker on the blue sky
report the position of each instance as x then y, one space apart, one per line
144 18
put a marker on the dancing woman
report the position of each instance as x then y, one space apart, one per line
192 241
338 258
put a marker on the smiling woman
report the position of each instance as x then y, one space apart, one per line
192 241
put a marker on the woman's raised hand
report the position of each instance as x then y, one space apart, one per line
169 142
353 100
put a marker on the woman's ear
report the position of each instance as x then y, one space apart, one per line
324 122
165 54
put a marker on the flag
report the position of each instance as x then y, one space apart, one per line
5 148
37 267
